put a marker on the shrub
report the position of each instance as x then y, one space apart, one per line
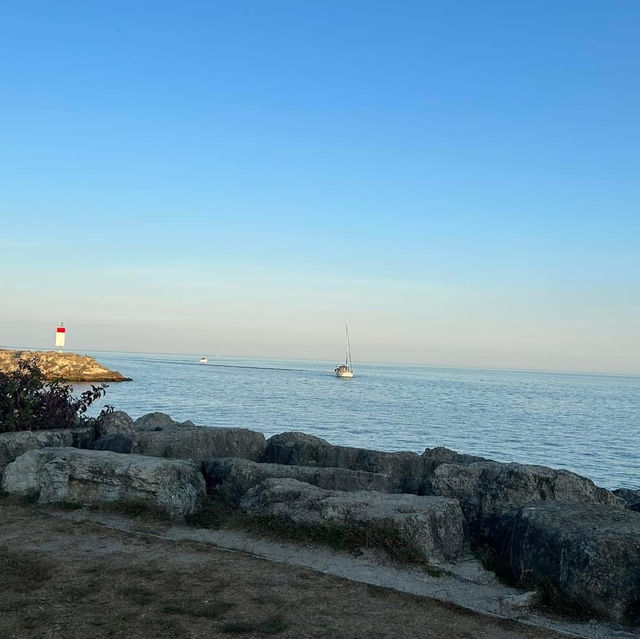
27 402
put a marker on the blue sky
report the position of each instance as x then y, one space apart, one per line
460 177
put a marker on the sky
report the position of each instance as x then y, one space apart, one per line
459 177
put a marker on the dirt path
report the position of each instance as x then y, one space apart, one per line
72 580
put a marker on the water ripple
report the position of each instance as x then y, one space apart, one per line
589 424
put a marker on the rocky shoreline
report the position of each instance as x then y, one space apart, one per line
68 367
538 528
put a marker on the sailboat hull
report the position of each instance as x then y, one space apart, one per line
344 373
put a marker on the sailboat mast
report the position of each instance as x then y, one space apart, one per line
346 328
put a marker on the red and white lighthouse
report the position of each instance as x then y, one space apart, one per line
61 333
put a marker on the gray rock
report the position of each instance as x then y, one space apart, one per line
113 423
630 497
516 605
92 477
434 457
195 443
429 528
115 442
14 444
232 478
405 470
487 489
587 555
154 421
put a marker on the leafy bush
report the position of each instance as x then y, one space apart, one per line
27 402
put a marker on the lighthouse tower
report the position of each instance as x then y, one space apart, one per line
61 333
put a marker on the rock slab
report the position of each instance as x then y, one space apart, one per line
630 497
14 444
587 555
232 478
159 436
488 489
429 528
405 470
92 477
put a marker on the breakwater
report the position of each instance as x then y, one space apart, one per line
533 521
69 367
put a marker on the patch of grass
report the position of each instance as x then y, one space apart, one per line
213 513
352 539
83 590
22 571
269 626
435 571
140 595
134 509
211 610
216 513
69 505
487 557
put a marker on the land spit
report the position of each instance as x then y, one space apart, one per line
566 541
68 367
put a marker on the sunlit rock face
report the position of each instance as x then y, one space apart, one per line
69 367
89 477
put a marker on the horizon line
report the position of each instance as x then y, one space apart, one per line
363 361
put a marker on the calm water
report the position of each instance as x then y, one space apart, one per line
586 423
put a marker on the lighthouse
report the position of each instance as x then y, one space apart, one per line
61 333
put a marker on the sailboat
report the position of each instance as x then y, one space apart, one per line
346 369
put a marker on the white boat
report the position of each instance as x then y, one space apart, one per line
203 360
346 369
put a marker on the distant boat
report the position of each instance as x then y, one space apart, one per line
346 369
203 360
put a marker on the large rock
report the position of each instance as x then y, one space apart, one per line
427 528
630 497
113 423
92 477
154 421
585 555
14 444
232 478
405 470
486 489
112 431
179 441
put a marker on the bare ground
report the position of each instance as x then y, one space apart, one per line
76 579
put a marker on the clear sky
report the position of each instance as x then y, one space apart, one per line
460 177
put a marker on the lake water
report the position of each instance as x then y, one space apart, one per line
589 424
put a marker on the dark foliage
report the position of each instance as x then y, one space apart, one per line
28 402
